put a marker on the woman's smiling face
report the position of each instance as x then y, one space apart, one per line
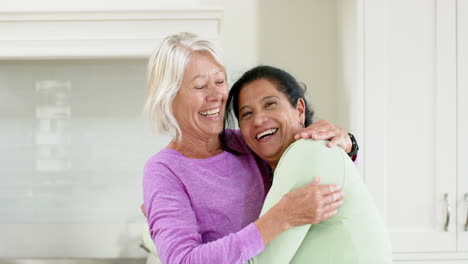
201 100
267 120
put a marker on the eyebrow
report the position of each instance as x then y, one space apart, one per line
269 97
263 99
202 75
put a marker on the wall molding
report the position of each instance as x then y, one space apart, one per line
99 34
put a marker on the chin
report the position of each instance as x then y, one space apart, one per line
265 155
215 131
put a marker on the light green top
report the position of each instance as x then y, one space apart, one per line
356 235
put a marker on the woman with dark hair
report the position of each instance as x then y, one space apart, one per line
270 107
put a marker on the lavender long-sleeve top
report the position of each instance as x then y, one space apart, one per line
202 210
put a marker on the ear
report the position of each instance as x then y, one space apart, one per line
300 107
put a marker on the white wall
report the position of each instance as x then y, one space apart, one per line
301 37
350 68
239 36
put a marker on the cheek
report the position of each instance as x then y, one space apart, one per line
292 123
225 92
176 106
244 130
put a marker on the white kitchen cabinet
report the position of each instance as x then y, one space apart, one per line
462 124
413 57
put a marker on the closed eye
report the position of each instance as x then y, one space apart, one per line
269 104
246 115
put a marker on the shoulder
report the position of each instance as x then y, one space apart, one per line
306 148
300 164
309 152
162 165
163 159
308 144
162 173
314 157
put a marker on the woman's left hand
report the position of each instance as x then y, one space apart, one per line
143 210
323 129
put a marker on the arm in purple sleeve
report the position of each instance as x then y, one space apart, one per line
173 225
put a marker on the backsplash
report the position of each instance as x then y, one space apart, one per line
73 146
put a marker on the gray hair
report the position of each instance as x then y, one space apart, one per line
165 72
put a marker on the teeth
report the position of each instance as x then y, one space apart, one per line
210 113
267 132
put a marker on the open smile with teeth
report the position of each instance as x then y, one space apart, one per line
210 113
266 133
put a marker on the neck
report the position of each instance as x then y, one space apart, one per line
273 165
196 147
273 162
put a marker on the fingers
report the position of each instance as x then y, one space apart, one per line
303 133
329 215
329 134
341 139
317 181
331 209
348 144
143 210
329 188
331 194
312 203
332 198
315 130
332 142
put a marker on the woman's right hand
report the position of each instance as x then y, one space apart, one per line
310 204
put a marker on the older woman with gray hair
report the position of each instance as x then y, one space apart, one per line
203 198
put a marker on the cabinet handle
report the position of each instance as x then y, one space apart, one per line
466 223
447 218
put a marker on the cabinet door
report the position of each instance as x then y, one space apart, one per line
410 116
463 123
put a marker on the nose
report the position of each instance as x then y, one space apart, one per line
216 92
259 118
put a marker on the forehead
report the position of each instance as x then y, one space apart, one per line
201 63
256 90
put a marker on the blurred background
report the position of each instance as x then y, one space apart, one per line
73 137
